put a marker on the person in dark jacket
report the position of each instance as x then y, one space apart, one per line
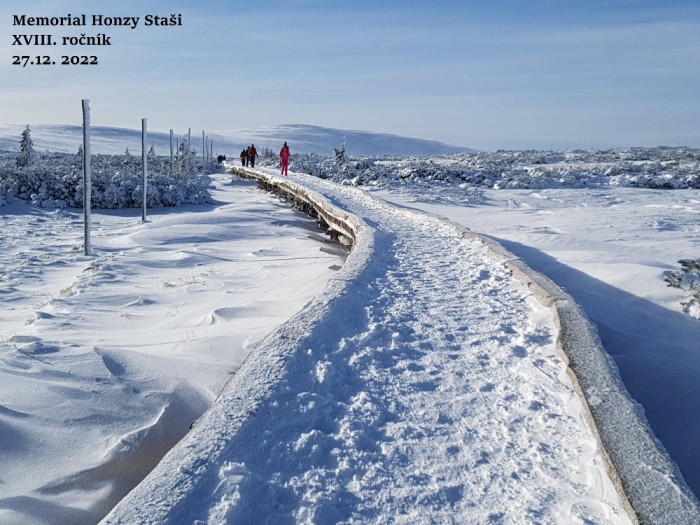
244 158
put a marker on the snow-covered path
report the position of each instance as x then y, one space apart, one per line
423 386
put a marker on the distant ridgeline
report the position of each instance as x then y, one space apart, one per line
301 139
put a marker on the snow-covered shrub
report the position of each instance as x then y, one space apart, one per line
657 168
340 154
56 180
688 279
4 192
186 156
268 154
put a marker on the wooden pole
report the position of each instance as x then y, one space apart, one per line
87 176
144 164
204 153
172 168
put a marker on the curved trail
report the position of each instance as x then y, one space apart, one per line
423 388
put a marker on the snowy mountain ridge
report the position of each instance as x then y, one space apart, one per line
303 138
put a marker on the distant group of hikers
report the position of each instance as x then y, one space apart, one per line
248 156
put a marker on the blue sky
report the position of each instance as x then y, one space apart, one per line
484 74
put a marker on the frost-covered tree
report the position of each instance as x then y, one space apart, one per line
26 156
339 152
155 163
151 156
688 278
80 153
186 158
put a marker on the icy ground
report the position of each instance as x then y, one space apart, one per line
421 386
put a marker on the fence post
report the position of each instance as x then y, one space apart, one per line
172 166
87 176
144 164
204 154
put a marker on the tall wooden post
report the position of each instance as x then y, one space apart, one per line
144 164
172 166
204 153
87 176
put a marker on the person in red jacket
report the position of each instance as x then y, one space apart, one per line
252 153
284 158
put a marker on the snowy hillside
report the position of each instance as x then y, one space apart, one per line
314 139
301 138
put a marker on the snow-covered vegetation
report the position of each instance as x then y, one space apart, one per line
688 278
54 180
662 168
26 156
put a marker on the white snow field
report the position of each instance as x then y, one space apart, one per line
423 385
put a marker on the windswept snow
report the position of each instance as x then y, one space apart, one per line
106 360
423 386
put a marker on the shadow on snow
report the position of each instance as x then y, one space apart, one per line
655 349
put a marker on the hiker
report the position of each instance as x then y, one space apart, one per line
252 153
284 158
244 158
